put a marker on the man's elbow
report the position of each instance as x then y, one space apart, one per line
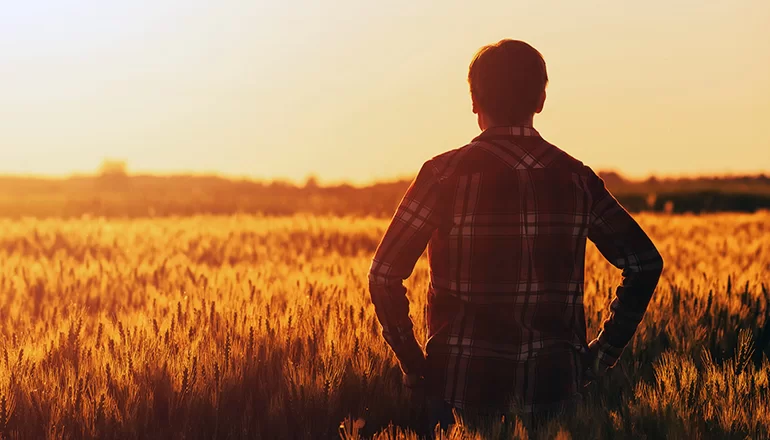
654 266
376 280
658 261
648 266
379 274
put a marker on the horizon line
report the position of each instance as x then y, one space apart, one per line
320 181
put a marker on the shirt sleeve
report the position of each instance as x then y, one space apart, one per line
400 248
623 243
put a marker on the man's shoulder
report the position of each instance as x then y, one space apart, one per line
446 164
564 161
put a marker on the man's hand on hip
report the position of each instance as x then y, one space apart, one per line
594 369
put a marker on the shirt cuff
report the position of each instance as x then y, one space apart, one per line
607 354
412 359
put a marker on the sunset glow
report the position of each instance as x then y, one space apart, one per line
359 91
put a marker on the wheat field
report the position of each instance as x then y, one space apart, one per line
261 327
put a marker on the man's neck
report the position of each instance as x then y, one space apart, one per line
488 123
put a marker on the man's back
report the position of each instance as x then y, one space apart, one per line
505 220
507 272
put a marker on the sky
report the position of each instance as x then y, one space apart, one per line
361 91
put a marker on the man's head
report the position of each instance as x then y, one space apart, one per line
507 82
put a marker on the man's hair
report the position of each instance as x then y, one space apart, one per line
507 80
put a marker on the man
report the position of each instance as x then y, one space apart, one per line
506 219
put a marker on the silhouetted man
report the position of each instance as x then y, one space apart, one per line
505 219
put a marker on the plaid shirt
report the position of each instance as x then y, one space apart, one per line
505 219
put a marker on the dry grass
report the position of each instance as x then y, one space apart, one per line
243 327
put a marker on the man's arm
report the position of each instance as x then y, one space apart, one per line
398 252
624 244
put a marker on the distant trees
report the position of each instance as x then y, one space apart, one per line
612 178
113 168
311 182
113 174
113 191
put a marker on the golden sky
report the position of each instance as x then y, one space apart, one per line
358 90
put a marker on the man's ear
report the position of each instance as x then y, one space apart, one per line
541 104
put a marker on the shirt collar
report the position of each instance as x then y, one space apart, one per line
503 132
